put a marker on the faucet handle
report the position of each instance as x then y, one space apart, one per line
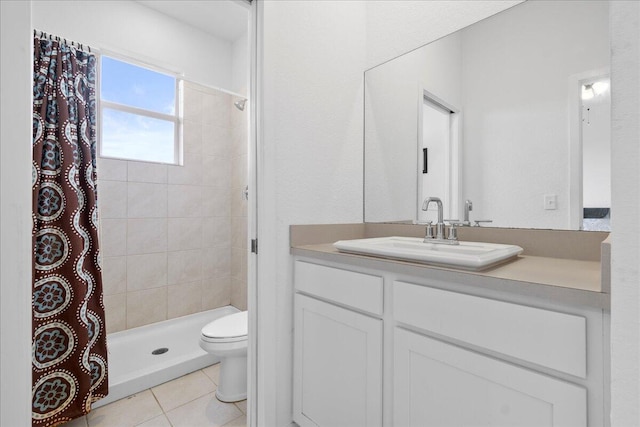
428 231
453 231
479 221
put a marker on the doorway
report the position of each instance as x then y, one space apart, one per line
596 154
437 172
590 151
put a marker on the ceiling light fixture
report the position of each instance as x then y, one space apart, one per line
588 92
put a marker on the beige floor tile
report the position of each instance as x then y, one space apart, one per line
238 422
78 422
213 372
126 412
160 421
242 405
175 393
205 411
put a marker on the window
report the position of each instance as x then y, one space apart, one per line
138 112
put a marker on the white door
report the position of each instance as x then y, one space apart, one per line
596 153
337 366
434 171
440 385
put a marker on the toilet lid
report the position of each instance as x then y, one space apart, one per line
230 326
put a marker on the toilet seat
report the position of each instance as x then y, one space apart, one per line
230 328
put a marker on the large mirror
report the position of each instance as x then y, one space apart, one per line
508 120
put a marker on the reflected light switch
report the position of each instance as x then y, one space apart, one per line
550 201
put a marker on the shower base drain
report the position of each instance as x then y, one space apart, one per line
158 351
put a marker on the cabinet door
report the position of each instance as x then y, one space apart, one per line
438 384
337 366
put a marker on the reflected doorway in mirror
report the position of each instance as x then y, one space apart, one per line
437 173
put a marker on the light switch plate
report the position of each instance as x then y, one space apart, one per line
550 201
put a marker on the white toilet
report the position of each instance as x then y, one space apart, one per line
226 338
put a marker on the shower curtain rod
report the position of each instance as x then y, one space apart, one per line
42 35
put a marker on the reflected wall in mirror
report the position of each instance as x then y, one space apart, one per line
499 107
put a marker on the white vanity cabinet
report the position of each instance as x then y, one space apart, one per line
450 354
338 351
438 384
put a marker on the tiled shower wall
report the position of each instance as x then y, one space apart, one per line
172 236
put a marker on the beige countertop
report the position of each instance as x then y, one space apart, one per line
566 280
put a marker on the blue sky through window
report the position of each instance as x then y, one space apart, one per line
136 86
136 137
129 135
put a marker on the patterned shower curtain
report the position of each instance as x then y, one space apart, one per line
69 354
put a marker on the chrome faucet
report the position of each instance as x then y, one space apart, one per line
440 223
452 239
468 206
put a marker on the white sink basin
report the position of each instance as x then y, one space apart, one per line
466 255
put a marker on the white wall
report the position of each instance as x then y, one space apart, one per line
240 66
395 27
16 87
314 55
130 29
625 255
516 140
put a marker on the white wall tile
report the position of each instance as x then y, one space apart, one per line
239 141
190 173
112 169
147 235
154 213
192 137
216 171
184 299
238 203
216 231
147 172
216 201
185 201
239 232
237 264
112 199
115 307
216 141
184 266
216 109
217 262
216 292
113 237
146 200
239 172
114 275
239 293
185 234
147 306
146 271
192 104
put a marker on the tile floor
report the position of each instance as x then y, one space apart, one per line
187 401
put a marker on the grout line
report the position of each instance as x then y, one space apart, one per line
240 416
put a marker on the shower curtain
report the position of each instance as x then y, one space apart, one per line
69 357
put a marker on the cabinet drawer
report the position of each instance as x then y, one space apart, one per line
547 338
358 290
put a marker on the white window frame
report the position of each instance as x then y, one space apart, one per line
175 119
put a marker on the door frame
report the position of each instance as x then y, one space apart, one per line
575 142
